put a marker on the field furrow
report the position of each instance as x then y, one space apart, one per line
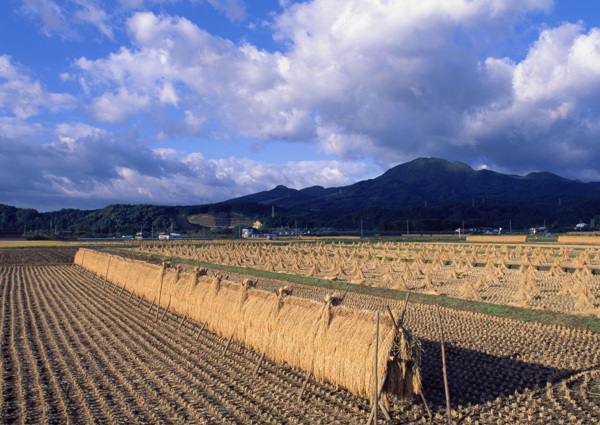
78 349
75 352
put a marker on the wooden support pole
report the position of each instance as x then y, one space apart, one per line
404 308
122 290
227 346
425 403
106 274
449 412
304 385
166 309
130 295
262 356
200 331
141 299
182 320
151 305
344 294
162 275
381 406
376 402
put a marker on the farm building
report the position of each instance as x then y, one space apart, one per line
167 236
11 234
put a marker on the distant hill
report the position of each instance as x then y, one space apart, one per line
431 194
430 181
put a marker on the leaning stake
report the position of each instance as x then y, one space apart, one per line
166 309
304 385
376 402
444 366
227 346
162 275
182 320
151 305
262 356
200 331
106 274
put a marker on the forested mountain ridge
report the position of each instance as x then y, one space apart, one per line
431 194
431 181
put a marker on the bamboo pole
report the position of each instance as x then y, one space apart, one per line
304 385
166 309
381 406
130 295
151 305
141 299
106 274
162 275
227 346
344 294
200 331
121 290
425 403
182 320
404 308
449 412
376 402
262 356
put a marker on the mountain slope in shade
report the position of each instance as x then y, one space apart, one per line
429 181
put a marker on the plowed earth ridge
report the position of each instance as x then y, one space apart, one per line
77 351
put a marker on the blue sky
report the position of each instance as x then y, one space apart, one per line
197 101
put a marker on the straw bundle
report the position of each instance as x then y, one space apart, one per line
579 239
567 285
336 344
583 302
481 283
401 284
497 239
468 292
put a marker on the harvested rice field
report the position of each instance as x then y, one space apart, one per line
559 278
79 349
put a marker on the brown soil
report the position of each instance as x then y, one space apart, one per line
75 352
21 256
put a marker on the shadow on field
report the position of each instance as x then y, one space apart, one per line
475 377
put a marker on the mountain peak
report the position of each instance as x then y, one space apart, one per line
426 181
428 169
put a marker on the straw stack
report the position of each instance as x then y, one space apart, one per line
335 343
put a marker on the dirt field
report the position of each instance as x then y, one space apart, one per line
30 256
76 351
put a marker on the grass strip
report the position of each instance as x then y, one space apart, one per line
545 317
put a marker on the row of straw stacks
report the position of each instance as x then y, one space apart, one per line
336 344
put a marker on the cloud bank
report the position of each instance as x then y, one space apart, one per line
362 84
